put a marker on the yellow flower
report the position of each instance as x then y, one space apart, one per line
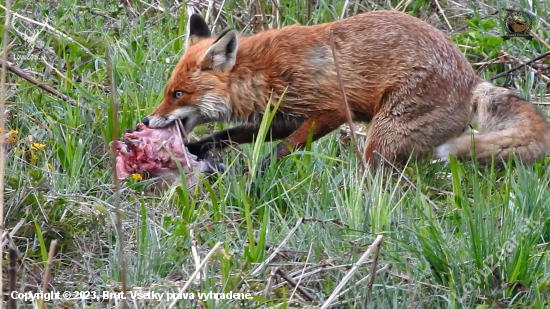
37 146
18 151
136 177
11 137
33 159
50 166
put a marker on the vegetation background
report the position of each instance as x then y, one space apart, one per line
455 236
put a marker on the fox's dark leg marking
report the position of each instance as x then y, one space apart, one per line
322 124
241 134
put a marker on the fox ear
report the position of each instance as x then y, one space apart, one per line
198 29
222 55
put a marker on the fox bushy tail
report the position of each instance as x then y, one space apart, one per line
507 125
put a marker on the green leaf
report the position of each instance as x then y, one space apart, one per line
87 95
488 24
472 23
43 250
494 41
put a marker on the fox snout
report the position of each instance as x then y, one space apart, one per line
145 120
190 116
209 108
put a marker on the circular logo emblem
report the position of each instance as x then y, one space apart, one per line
517 24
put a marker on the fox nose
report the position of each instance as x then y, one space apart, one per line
145 121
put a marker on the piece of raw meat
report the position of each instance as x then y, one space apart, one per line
146 152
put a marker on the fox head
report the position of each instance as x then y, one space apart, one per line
196 92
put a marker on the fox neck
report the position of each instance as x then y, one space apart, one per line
246 95
253 82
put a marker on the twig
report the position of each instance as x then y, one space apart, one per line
3 90
47 276
218 15
407 180
293 283
344 9
348 112
409 285
443 13
534 67
188 283
189 9
269 285
300 275
371 279
398 6
6 237
419 282
356 8
278 13
382 269
272 256
347 131
308 10
151 6
546 54
352 271
261 11
334 221
12 272
116 181
209 12
306 262
17 71
183 135
129 5
533 33
541 20
194 252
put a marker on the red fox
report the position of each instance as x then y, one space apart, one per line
401 74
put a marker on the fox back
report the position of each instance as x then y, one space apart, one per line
231 78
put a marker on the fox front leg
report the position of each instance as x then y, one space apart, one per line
321 125
241 134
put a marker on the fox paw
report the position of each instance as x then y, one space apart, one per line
442 152
201 150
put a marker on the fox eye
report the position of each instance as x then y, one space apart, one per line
178 94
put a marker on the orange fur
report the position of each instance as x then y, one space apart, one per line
401 74
517 24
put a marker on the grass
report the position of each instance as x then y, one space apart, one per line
486 246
